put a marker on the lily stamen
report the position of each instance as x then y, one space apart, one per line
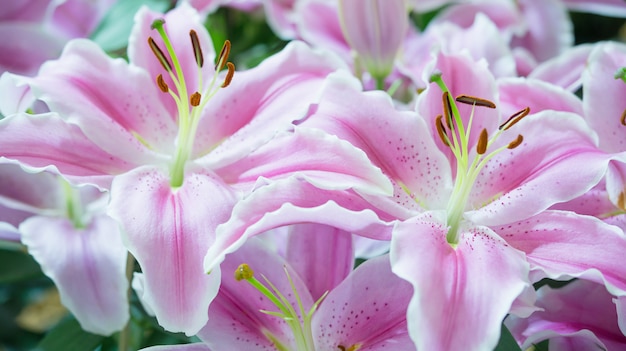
156 50
623 118
483 140
516 117
515 143
476 101
300 326
197 50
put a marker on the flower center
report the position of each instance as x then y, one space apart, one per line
301 327
456 136
189 104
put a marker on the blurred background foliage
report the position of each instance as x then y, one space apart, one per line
31 315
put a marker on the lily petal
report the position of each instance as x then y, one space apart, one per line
578 317
563 245
169 231
603 103
291 201
43 140
261 101
368 308
322 159
322 255
519 183
405 151
566 69
476 281
519 93
87 265
126 119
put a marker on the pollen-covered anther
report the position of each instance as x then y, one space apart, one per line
243 272
195 98
516 117
161 83
159 55
476 101
517 142
222 58
623 118
197 50
621 201
483 141
229 74
447 109
441 130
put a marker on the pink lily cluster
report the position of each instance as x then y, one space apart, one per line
245 195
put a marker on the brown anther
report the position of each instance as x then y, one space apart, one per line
516 117
443 135
161 83
472 100
159 55
621 202
447 109
515 143
222 58
197 50
195 98
229 74
483 140
623 118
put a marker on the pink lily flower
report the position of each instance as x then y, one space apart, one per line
328 306
36 30
579 316
168 152
78 246
604 86
375 31
474 216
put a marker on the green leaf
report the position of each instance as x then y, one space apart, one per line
113 31
69 336
16 266
507 341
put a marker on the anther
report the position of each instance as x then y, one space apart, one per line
195 98
515 143
621 201
483 140
197 50
161 83
223 56
472 100
516 117
159 55
443 135
229 74
623 118
243 272
447 109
